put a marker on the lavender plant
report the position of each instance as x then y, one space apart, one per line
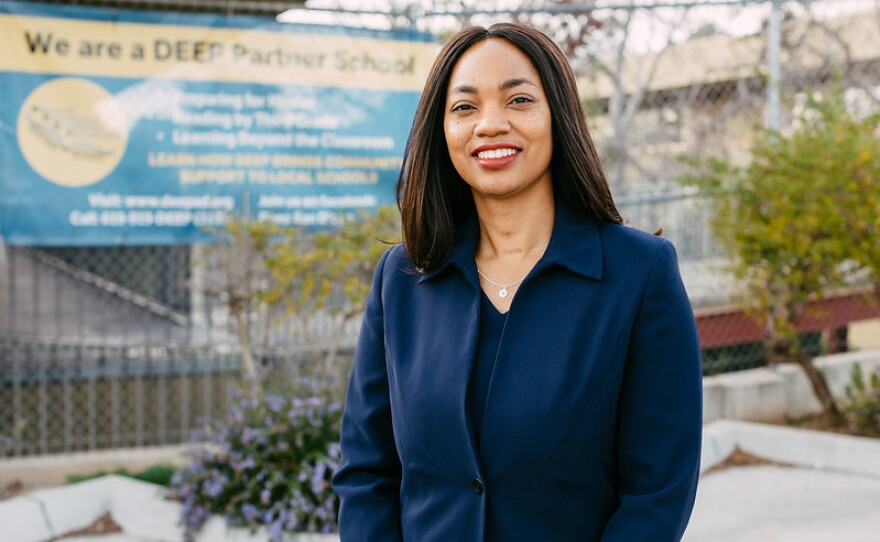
268 464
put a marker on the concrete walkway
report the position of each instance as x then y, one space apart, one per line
830 492
782 504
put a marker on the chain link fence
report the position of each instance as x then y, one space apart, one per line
121 346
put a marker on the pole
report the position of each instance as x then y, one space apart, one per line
774 39
413 13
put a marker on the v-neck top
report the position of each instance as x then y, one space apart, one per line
488 342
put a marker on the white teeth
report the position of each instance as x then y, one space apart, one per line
496 153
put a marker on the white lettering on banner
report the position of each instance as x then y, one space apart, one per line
346 201
292 101
301 218
148 218
260 140
212 138
331 140
173 218
288 120
165 201
79 218
99 199
213 99
217 176
205 118
112 218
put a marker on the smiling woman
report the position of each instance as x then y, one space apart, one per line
498 124
528 368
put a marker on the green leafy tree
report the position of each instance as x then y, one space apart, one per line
330 272
263 274
800 221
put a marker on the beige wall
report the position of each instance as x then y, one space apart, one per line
864 335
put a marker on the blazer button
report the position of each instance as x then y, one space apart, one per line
477 486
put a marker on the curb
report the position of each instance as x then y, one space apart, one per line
799 447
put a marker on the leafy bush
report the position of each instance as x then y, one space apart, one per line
862 402
269 464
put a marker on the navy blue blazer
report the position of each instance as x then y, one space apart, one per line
593 417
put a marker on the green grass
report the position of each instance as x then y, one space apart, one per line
156 474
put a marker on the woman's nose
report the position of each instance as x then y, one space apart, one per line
491 123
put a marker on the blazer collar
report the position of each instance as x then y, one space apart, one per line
575 244
463 249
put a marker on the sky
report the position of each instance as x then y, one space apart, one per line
649 32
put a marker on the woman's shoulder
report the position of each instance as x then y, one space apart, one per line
627 235
396 261
632 246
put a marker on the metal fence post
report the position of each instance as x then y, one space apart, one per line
774 69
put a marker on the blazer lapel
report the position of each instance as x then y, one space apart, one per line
451 294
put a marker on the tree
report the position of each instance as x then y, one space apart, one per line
800 220
236 275
269 277
329 272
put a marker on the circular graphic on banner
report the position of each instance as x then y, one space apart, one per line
72 131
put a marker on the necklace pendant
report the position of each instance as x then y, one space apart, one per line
502 292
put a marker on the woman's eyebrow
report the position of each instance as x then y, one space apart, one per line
510 83
464 89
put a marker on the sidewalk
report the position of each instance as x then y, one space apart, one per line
830 492
784 504
825 487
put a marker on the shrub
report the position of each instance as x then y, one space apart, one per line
799 221
862 402
269 464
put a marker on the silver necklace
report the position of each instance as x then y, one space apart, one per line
503 291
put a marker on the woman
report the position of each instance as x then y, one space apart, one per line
527 369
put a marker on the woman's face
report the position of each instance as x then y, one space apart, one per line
497 121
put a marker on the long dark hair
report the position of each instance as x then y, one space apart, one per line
432 197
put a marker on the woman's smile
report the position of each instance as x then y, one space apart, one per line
496 156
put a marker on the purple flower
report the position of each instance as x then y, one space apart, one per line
249 511
214 486
236 416
319 473
249 434
245 470
275 402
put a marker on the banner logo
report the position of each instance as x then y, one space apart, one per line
72 131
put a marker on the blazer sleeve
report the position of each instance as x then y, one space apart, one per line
368 480
659 413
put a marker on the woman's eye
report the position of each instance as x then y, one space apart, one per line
521 100
462 107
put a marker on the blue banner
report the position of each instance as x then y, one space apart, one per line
126 127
